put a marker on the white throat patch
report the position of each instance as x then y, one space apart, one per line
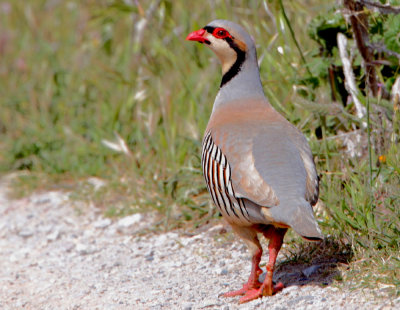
224 52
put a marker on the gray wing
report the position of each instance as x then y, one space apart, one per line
312 183
266 165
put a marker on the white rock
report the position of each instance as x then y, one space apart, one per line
96 183
291 290
84 249
129 221
25 233
187 306
102 223
209 303
53 235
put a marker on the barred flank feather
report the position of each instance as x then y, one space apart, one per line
217 174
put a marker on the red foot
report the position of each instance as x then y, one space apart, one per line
253 294
246 287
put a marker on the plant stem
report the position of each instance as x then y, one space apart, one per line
294 37
326 148
369 143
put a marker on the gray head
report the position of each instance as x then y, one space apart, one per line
231 43
239 35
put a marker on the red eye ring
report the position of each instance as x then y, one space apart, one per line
221 33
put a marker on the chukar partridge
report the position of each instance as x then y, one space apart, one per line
258 167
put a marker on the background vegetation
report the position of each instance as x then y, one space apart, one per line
110 89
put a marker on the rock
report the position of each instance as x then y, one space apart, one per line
187 306
25 233
291 290
102 223
210 303
129 221
52 236
221 271
310 270
150 256
84 249
67 246
96 183
300 299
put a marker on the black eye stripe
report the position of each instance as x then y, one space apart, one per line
209 29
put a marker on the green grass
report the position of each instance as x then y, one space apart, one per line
76 73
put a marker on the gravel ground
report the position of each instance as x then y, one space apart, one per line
54 257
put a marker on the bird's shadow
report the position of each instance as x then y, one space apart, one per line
313 263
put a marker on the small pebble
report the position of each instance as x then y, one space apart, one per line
102 223
25 233
129 221
187 306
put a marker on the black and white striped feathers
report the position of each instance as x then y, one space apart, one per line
217 173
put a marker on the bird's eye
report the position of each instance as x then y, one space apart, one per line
221 33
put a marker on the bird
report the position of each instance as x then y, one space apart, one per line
258 167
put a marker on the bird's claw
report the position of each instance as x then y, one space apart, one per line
253 294
246 287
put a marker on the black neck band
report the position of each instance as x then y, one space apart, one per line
240 58
237 66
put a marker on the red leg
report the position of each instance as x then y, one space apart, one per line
249 235
253 282
276 236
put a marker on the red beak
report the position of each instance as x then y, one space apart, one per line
197 36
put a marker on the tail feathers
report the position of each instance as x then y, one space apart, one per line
304 223
312 238
298 215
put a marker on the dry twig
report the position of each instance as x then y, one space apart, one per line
381 8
